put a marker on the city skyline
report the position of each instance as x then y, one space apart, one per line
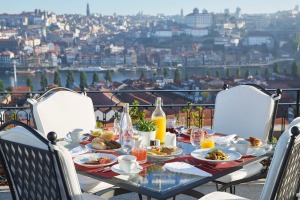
152 7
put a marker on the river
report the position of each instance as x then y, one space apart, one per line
116 75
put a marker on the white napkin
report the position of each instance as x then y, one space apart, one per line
170 139
78 150
224 139
183 167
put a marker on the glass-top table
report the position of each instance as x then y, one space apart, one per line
157 183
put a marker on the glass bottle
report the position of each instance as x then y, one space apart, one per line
159 117
126 132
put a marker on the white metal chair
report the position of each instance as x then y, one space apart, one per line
245 110
61 110
283 179
37 168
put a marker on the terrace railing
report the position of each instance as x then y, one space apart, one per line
197 105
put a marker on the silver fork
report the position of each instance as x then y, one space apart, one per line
105 169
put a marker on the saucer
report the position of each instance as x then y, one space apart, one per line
116 168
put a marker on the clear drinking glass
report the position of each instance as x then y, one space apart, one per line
116 127
195 137
179 125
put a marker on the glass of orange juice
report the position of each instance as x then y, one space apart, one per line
207 142
140 152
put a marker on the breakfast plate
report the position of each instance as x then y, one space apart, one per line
152 153
201 154
85 159
208 131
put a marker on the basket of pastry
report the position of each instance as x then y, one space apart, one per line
100 143
255 142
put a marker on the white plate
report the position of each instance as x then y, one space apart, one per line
209 131
116 168
250 152
200 154
89 146
81 159
176 152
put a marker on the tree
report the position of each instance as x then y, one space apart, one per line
208 73
257 72
228 73
238 72
70 79
2 88
267 73
218 74
297 41
83 83
29 83
154 74
177 76
142 76
247 73
285 71
57 80
295 70
187 76
108 76
166 72
95 77
44 82
276 68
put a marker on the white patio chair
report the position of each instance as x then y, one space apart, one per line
245 110
283 179
61 110
37 169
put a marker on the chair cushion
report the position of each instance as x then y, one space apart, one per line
221 195
64 111
69 171
281 147
23 136
91 185
243 110
247 171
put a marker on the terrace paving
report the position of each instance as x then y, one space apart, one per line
250 190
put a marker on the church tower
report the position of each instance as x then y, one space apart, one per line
87 10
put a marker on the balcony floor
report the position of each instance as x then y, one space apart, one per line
250 190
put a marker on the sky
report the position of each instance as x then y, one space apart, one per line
153 7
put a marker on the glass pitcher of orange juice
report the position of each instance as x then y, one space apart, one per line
159 117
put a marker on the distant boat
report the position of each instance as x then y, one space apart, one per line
21 72
91 69
48 71
131 69
149 69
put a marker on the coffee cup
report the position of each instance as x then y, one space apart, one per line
127 163
241 146
76 135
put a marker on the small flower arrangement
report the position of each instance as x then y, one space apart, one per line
146 125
